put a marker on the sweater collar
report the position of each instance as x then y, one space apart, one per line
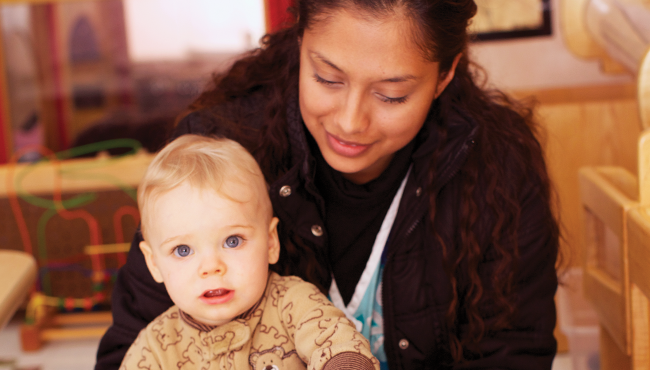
248 318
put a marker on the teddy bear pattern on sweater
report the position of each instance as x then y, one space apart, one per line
293 327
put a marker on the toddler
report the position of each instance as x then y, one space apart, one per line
209 236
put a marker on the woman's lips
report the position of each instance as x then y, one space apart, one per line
217 296
346 148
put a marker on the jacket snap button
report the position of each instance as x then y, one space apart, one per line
285 191
317 230
403 344
418 192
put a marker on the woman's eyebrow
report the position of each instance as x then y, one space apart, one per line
400 78
320 57
404 78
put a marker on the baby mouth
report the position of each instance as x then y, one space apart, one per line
216 293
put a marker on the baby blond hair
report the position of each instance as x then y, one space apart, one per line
207 163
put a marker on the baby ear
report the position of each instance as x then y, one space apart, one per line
274 241
151 264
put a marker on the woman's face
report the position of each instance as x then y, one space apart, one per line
365 90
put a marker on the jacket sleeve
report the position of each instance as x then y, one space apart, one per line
325 339
136 300
230 119
529 342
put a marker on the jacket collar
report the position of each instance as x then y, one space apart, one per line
461 134
300 153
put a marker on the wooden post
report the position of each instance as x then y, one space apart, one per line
639 239
55 111
644 168
643 91
6 143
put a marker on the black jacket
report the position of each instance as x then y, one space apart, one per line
416 289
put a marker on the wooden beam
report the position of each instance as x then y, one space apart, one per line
6 144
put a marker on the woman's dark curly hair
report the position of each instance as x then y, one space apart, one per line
440 30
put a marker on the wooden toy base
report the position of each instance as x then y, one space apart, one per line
55 327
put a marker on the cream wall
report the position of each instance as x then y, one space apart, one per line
539 62
588 118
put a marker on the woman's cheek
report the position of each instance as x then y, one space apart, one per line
317 104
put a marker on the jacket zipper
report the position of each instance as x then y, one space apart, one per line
449 176
387 308
410 230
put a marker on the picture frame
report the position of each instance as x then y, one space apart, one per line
511 19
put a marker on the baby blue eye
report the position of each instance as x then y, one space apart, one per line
233 242
183 251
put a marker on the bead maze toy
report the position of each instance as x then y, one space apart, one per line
76 217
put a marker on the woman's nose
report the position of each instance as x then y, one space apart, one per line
352 118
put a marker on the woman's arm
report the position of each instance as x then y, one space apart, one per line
137 299
529 342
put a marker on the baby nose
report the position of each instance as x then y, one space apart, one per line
212 265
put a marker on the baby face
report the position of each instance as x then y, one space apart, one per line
212 252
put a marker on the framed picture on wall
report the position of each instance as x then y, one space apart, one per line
508 19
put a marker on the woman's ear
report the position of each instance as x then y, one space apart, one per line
274 241
446 78
151 264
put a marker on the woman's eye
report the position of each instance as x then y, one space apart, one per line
233 242
386 99
183 251
323 81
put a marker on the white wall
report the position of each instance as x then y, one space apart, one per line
174 30
539 62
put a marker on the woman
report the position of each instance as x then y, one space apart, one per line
417 200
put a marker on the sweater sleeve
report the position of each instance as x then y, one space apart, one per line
136 300
325 339
139 356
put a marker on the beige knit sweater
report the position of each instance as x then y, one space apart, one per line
293 326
